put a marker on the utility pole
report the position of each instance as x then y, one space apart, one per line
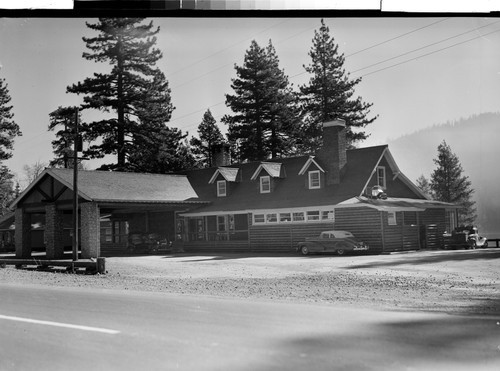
75 188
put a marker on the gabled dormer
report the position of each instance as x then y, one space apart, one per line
268 173
313 173
223 177
387 177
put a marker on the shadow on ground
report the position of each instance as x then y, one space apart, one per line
438 257
224 256
436 342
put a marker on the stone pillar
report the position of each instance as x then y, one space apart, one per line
23 234
90 230
54 232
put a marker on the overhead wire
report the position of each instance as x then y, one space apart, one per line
396 37
223 50
427 46
430 53
357 52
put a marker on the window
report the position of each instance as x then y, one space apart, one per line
196 229
312 215
221 223
298 217
410 218
285 217
328 215
221 188
381 176
271 218
265 184
391 218
314 179
259 218
120 231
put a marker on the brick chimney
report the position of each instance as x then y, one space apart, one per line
221 155
332 154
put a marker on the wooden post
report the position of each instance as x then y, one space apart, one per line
75 189
101 265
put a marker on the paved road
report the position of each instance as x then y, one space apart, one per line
80 329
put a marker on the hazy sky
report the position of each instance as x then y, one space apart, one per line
417 72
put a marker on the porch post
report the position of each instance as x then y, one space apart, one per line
54 232
22 233
91 230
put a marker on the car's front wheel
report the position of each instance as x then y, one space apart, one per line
304 250
340 252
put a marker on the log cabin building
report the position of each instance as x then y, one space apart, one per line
265 206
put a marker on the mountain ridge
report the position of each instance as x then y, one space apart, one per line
476 142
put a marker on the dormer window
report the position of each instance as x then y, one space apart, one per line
314 179
221 188
265 184
381 176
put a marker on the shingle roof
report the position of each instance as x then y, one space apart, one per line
288 192
104 186
119 186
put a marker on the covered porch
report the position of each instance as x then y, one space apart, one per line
117 212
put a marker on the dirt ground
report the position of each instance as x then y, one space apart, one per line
458 282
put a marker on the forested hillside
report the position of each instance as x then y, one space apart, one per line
476 142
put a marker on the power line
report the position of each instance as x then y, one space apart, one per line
427 54
424 47
223 50
378 44
397 37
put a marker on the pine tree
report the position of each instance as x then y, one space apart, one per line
263 125
157 148
209 137
424 185
8 127
134 89
330 94
448 184
63 119
162 150
7 192
8 131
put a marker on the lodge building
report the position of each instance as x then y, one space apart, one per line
265 206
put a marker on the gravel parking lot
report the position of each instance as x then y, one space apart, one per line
459 282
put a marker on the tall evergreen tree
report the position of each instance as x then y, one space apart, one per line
448 184
8 131
134 89
63 119
8 127
209 137
157 148
7 191
264 121
330 94
162 150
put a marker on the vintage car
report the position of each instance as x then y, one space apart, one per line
465 236
339 242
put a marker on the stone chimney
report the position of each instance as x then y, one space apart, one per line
332 155
221 155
